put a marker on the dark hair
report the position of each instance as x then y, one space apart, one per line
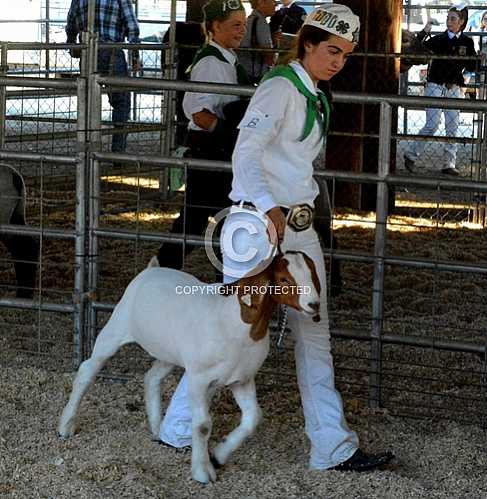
219 10
208 24
462 14
307 34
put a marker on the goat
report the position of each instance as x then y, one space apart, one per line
24 249
218 333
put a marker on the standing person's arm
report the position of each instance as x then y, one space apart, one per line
473 65
205 109
425 32
261 124
264 40
275 22
132 30
73 22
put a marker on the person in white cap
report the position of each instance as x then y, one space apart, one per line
280 136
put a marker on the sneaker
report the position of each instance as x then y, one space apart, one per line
360 461
409 165
450 171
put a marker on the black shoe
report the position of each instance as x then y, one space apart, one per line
359 461
185 448
410 165
451 171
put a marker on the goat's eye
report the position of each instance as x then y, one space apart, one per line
284 280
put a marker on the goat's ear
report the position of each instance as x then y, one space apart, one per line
246 300
248 312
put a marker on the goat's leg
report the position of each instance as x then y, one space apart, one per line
246 399
201 468
152 382
108 342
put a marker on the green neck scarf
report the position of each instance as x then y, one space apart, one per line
208 50
317 107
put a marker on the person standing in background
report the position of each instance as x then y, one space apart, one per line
114 22
258 35
483 38
445 79
213 120
288 19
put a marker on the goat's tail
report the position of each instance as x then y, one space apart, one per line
154 262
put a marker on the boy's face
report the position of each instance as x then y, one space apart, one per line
266 7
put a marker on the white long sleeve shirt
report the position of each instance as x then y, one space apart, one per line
271 166
210 69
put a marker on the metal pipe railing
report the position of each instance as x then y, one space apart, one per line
44 306
201 164
36 157
26 230
80 226
379 252
342 97
19 81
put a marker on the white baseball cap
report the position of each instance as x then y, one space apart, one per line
337 19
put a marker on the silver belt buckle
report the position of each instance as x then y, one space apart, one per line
300 217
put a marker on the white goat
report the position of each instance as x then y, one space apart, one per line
218 333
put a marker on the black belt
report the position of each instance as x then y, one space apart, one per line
248 204
299 217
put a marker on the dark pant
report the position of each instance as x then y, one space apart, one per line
206 194
111 62
323 224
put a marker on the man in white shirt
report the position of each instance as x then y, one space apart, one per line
258 35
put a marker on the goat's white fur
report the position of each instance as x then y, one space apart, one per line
202 332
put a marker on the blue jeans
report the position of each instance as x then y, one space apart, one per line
111 62
433 119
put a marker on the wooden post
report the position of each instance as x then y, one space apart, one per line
380 33
194 10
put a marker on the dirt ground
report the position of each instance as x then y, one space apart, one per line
112 455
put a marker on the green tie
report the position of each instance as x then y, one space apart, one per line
207 50
317 107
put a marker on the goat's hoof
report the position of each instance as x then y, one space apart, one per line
64 435
220 455
66 429
204 475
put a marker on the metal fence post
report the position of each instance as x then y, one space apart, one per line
379 253
80 225
3 93
94 205
479 213
168 107
48 37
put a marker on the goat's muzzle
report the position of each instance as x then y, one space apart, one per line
315 310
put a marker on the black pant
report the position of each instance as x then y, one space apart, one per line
206 194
